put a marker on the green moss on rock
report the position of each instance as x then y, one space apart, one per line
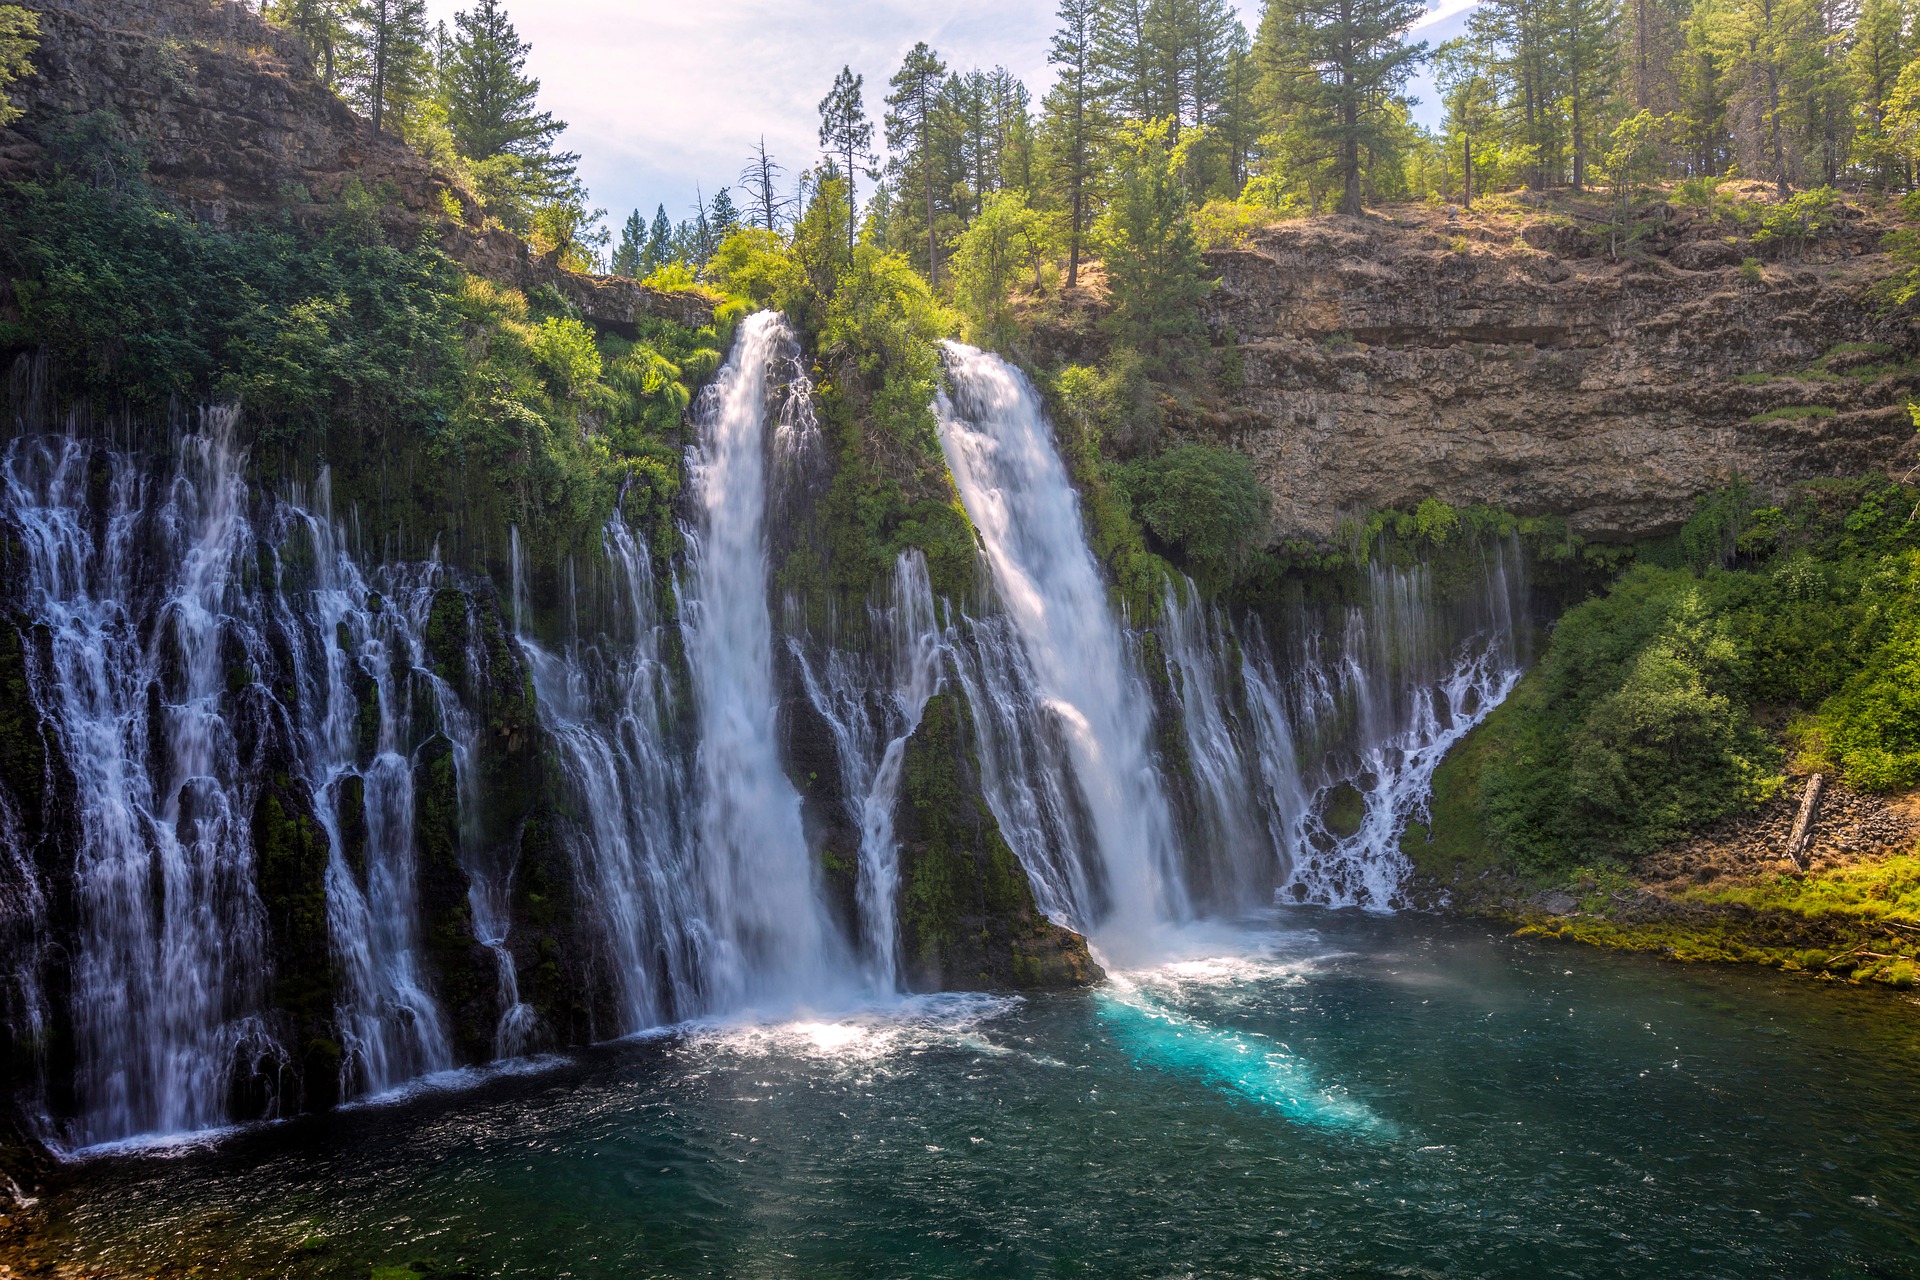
968 920
463 971
291 851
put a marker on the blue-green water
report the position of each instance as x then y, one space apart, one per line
1328 1095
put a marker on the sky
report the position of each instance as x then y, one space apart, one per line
666 97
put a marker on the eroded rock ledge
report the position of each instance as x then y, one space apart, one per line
231 120
1518 364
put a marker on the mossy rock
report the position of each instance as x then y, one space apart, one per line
1343 809
464 972
291 851
968 920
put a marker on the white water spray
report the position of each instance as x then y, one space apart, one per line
1001 452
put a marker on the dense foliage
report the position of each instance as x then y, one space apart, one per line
442 401
1673 699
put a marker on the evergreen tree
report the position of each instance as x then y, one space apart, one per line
1517 37
1588 59
1154 269
1347 60
1878 56
722 217
321 26
390 65
1123 49
661 245
1072 114
491 101
633 246
847 135
910 120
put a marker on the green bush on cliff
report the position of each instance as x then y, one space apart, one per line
1203 499
381 358
1644 719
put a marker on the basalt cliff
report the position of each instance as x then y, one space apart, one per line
1513 359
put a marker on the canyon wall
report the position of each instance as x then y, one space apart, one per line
1514 361
227 114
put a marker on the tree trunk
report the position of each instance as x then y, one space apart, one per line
1466 145
1803 825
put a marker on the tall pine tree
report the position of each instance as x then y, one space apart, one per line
847 135
912 108
1353 59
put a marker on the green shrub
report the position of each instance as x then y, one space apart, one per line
1203 499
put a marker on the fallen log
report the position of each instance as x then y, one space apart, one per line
1802 836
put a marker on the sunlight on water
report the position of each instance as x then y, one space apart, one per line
863 1036
1173 1017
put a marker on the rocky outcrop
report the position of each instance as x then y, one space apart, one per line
226 114
968 921
1523 365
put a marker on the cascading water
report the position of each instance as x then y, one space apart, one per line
915 648
166 979
202 654
609 706
772 936
1232 805
1401 693
357 718
1001 452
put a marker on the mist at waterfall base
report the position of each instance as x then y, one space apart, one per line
1333 1094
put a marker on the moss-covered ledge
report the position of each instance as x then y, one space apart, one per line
968 920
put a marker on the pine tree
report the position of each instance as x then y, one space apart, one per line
633 246
321 26
1879 54
490 100
1588 57
1355 60
1072 114
910 120
660 248
1236 120
1123 49
1152 256
390 68
722 217
847 135
1517 37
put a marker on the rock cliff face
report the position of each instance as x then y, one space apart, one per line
229 117
1520 364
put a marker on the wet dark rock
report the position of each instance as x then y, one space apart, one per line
291 852
465 976
968 920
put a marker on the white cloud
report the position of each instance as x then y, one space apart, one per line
664 95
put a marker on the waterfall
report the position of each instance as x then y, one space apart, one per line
870 740
216 679
357 722
610 708
1410 680
1015 486
1128 809
772 936
166 976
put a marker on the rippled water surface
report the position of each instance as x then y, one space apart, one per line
1323 1095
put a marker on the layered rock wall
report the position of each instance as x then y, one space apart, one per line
1526 367
226 113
